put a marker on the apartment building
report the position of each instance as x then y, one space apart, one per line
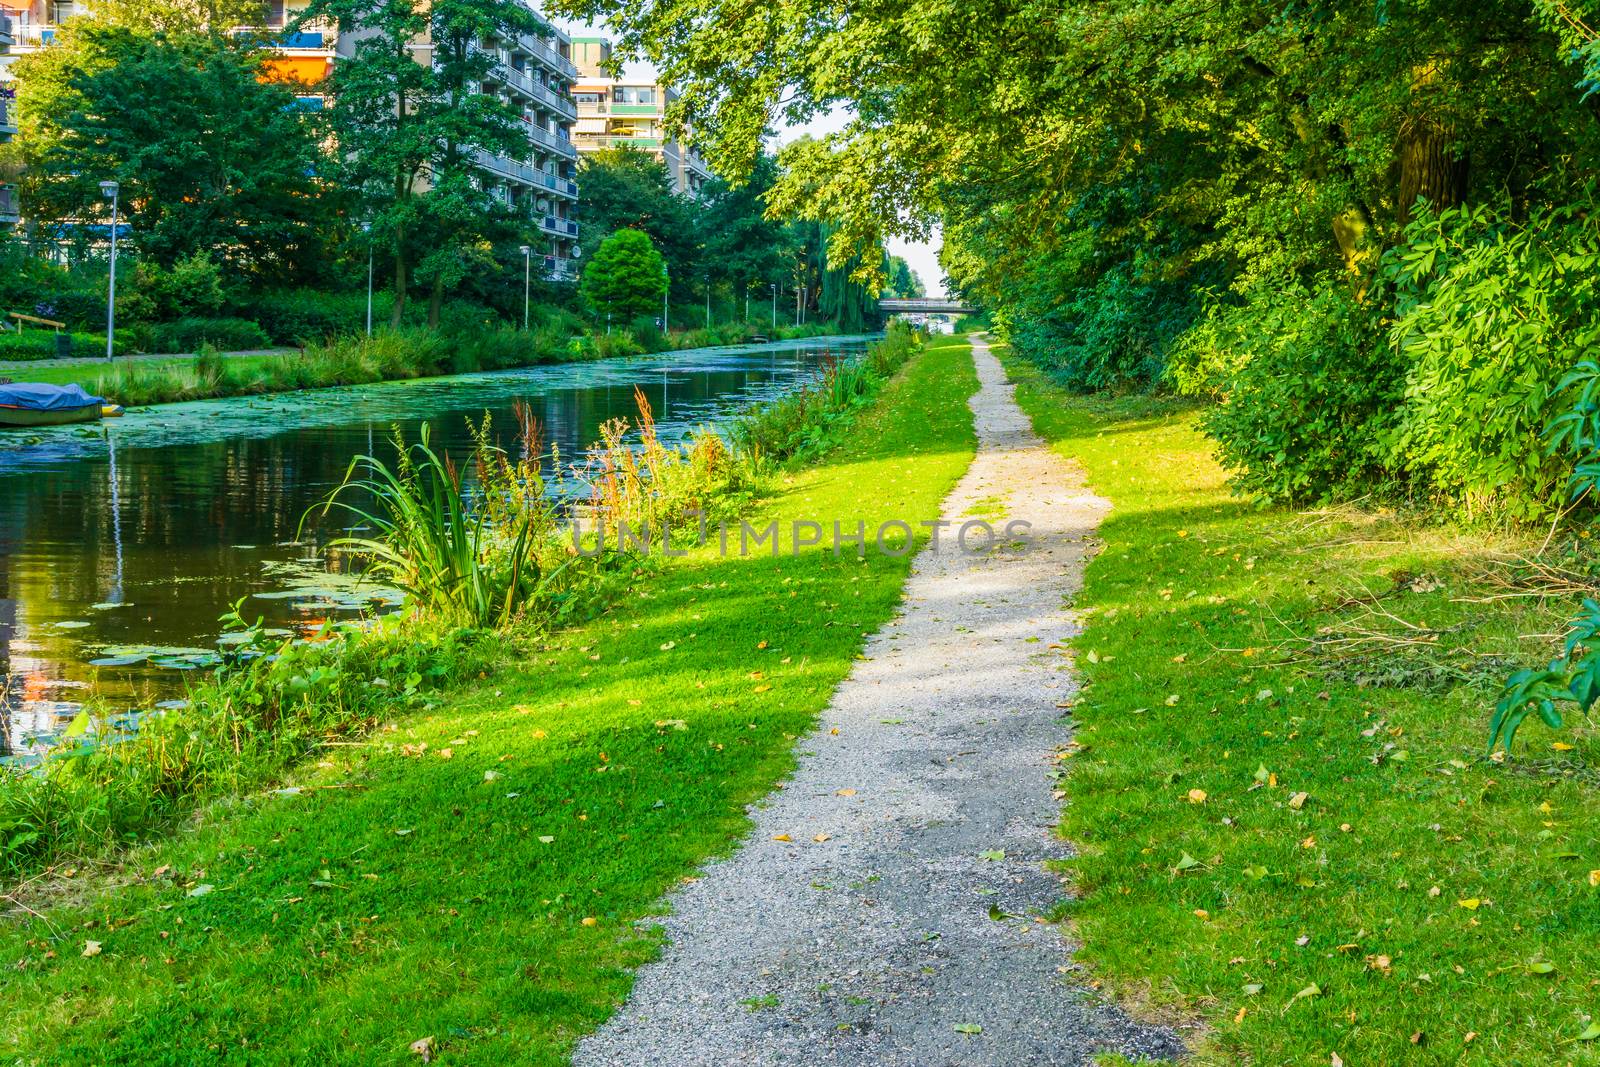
616 113
532 73
8 130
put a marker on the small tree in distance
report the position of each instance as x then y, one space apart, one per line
626 278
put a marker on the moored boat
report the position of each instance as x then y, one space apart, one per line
28 404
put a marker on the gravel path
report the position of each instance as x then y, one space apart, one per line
905 923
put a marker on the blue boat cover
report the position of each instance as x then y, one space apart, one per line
46 397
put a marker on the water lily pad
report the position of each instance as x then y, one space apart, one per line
72 624
118 661
110 604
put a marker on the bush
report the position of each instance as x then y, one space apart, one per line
192 287
1490 315
302 317
190 335
1309 392
37 344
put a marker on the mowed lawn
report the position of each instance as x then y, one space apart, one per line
1289 828
474 875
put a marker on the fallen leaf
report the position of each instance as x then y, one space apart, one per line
761 689
994 854
445 753
1471 903
424 1047
1541 967
968 1028
202 889
845 793
1201 913
1186 862
546 839
669 646
91 948
819 838
1562 746
1197 796
782 837
590 920
1335 1061
1298 801
1312 990
1172 701
1594 879
1590 1032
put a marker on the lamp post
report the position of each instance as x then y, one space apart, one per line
112 191
708 301
527 280
774 307
666 288
366 228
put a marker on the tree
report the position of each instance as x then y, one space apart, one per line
210 158
625 188
408 132
626 277
901 281
743 248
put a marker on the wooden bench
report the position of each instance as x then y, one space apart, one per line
21 318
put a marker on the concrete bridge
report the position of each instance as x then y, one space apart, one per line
932 305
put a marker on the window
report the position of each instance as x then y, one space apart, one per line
645 96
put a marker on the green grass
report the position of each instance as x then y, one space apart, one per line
90 375
1400 912
400 894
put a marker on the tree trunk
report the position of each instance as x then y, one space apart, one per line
436 301
401 279
1428 168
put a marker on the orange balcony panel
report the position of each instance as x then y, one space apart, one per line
302 70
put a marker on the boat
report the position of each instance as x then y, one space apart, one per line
29 404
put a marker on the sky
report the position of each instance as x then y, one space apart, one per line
923 256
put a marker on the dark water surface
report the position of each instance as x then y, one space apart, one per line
123 542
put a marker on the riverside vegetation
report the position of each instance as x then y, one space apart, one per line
470 871
479 557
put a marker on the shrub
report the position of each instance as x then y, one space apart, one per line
1490 315
192 287
191 334
308 316
1309 392
37 344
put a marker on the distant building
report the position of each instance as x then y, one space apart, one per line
615 114
534 74
8 130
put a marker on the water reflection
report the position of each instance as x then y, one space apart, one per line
124 542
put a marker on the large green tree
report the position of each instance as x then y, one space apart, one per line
210 157
625 278
408 132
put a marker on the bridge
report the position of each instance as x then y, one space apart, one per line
931 305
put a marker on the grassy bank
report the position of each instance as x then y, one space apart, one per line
1287 823
354 361
471 873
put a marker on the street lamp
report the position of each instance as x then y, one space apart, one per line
111 191
774 308
666 287
527 280
366 228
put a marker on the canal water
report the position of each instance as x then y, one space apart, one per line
122 543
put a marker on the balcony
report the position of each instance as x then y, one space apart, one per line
548 56
6 40
9 212
8 123
559 145
522 82
560 269
509 168
600 140
561 186
558 227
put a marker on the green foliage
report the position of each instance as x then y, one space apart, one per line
189 334
212 159
626 278
192 287
1310 392
1491 313
628 189
41 344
